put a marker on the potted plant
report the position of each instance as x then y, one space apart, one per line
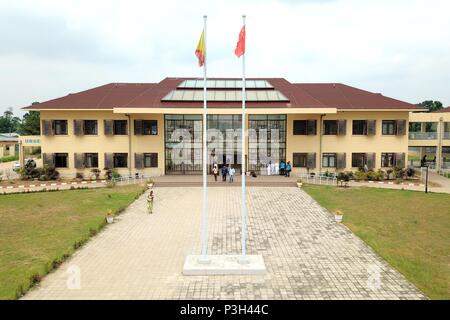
149 183
338 215
109 216
299 183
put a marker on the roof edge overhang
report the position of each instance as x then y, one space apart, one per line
381 110
227 110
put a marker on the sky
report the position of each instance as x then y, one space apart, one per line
50 48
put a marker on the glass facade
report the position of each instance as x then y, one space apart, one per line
183 144
267 141
224 141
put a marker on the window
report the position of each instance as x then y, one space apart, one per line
149 127
61 160
90 127
150 160
304 127
329 160
91 160
415 127
120 160
359 160
60 127
300 127
387 160
330 127
359 127
389 127
120 127
300 160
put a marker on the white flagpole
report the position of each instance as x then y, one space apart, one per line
204 257
244 192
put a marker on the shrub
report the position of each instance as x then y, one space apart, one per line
9 158
343 176
79 175
108 173
399 173
115 174
388 173
96 173
410 172
360 175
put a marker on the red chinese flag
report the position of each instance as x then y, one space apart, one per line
240 47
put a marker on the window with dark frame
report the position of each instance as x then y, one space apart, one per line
388 160
389 127
150 160
150 127
120 160
300 127
330 127
61 160
120 127
60 127
90 127
91 160
300 160
359 160
360 127
329 160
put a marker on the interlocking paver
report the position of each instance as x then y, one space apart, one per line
308 255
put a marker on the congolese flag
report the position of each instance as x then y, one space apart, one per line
200 51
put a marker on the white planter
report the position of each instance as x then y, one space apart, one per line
338 218
150 185
299 184
110 219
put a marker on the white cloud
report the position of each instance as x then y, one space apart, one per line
50 48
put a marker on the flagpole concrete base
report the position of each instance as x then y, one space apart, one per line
224 265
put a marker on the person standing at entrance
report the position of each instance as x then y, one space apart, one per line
232 172
282 167
215 171
224 173
288 169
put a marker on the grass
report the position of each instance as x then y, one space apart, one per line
410 230
38 231
9 158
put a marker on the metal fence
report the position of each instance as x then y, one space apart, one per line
124 180
318 179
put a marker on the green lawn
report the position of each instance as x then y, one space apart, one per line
39 230
410 230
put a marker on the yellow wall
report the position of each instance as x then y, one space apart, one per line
102 144
348 143
109 144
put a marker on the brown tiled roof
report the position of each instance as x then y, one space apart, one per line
149 95
443 110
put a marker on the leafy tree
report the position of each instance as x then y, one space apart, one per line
8 122
31 124
431 105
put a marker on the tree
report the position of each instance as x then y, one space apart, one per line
9 123
431 105
31 124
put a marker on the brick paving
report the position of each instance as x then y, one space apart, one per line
308 255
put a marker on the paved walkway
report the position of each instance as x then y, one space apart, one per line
308 255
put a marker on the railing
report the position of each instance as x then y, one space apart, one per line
444 172
423 135
123 180
318 179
